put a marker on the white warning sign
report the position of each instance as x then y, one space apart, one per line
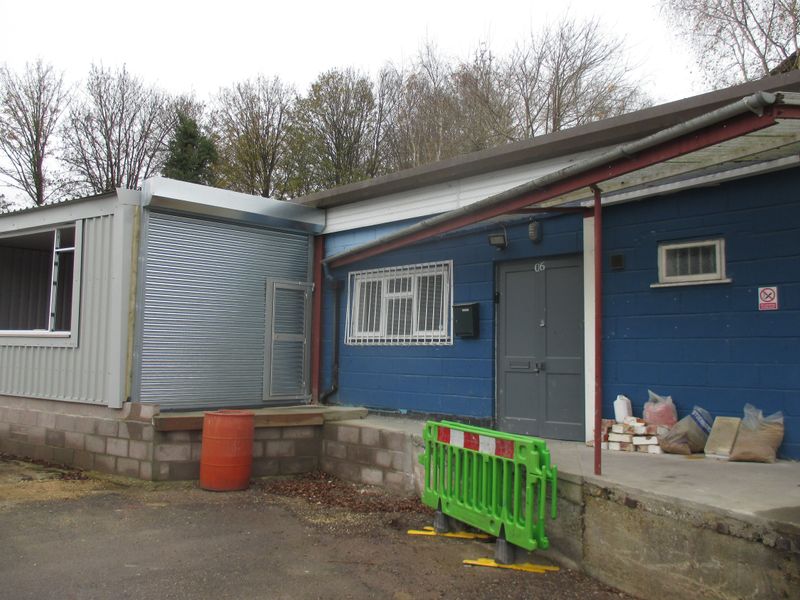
768 298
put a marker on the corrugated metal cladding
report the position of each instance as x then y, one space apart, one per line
65 373
204 319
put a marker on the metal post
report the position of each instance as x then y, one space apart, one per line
598 326
316 319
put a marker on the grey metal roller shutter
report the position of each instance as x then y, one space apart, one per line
204 331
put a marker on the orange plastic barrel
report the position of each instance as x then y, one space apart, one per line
226 455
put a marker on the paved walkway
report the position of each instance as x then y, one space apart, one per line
754 492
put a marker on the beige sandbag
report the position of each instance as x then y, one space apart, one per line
759 436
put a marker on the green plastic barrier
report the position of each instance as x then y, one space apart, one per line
496 482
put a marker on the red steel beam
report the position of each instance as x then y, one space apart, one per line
598 326
736 127
316 318
786 112
555 209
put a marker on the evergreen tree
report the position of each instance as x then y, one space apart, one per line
191 154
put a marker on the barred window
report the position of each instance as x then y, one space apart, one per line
404 305
691 262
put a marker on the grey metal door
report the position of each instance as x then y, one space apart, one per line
540 348
288 321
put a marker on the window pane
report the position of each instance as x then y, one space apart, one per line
429 298
369 302
26 264
63 306
399 285
688 261
708 263
398 316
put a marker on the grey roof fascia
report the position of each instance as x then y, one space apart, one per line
170 194
607 132
58 212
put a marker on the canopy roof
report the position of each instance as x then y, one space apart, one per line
758 133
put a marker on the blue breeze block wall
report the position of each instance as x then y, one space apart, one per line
708 345
454 380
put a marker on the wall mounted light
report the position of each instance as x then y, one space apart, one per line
498 240
535 231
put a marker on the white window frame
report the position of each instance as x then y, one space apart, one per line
50 337
717 276
382 336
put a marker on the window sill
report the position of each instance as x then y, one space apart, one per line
685 283
62 339
415 342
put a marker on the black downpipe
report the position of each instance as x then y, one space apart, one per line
337 289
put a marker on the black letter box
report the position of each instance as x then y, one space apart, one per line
465 320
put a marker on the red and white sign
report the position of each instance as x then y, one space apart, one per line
477 442
768 298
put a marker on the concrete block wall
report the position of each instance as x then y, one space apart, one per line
358 452
276 451
125 442
80 435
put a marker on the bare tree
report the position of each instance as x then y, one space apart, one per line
424 126
485 102
739 40
251 121
31 104
116 136
569 74
4 204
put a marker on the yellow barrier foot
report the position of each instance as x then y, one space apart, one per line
459 535
527 567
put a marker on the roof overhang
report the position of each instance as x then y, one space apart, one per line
170 194
759 132
569 142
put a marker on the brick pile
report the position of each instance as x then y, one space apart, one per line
631 435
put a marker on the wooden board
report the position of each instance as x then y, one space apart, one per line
723 435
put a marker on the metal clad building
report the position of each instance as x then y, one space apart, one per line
77 366
163 295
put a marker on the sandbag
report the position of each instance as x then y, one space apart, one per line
759 437
659 410
690 434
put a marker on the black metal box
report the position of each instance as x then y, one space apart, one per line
466 319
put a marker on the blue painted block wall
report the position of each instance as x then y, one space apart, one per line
453 380
708 345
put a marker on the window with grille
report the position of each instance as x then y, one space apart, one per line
38 281
692 262
411 304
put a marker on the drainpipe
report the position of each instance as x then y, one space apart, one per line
337 293
316 319
598 325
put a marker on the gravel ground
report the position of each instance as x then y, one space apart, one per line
66 534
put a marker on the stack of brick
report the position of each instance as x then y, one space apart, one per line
631 435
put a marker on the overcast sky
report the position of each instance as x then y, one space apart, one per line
199 46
